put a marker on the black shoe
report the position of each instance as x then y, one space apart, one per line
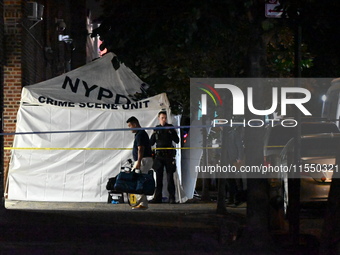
230 202
155 201
237 203
172 201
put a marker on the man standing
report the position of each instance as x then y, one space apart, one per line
142 155
163 138
235 153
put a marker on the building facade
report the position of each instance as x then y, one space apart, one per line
1 98
41 40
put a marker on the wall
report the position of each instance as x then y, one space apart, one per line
12 71
33 53
1 97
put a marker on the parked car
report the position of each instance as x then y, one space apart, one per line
276 137
275 140
318 161
331 107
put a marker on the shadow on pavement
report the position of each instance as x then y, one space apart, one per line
99 228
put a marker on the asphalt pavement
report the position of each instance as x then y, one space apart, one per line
101 228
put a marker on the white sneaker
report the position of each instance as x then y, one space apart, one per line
139 207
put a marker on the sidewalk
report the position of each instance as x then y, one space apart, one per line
189 207
100 228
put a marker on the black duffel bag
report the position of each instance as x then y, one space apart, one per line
110 185
136 183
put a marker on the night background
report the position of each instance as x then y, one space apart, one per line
165 43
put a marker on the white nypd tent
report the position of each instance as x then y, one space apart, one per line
76 139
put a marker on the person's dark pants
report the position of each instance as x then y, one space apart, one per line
235 189
158 165
232 189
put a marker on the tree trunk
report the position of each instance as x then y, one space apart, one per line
294 183
205 189
221 206
256 238
330 237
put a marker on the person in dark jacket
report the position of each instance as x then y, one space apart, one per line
235 150
164 158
